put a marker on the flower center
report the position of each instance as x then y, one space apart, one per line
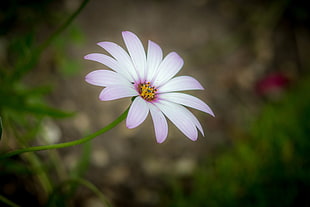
147 91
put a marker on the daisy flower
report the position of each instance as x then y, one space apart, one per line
150 79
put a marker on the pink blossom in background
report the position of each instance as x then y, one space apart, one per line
272 83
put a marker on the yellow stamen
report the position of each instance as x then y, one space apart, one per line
147 92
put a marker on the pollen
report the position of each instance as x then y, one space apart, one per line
147 91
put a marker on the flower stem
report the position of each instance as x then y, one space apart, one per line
69 144
63 26
8 202
35 54
87 184
95 190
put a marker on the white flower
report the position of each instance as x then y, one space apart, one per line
150 79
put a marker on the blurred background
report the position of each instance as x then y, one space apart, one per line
252 57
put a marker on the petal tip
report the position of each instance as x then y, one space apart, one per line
178 57
211 112
129 126
199 86
127 33
193 139
101 98
161 139
202 133
101 43
86 57
86 78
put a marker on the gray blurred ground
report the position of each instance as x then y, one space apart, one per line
226 46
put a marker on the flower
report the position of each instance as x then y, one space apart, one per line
272 84
150 79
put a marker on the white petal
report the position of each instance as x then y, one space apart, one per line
105 78
110 62
154 58
136 51
121 56
170 66
160 123
180 83
192 117
137 113
117 92
187 100
180 117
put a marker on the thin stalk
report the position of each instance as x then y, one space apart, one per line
95 190
40 173
32 60
8 202
62 27
35 164
68 144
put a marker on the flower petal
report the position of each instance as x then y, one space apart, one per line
137 113
110 62
154 58
170 66
187 100
105 78
121 56
136 51
180 83
192 117
180 117
160 123
117 92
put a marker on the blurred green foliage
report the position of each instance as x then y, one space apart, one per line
0 127
37 180
67 66
269 168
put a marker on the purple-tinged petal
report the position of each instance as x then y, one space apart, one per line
121 56
116 92
187 100
154 58
160 123
179 117
170 66
110 62
180 83
105 78
137 113
136 51
191 116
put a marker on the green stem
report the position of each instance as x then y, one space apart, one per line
81 182
32 60
8 202
62 27
68 144
95 190
0 127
